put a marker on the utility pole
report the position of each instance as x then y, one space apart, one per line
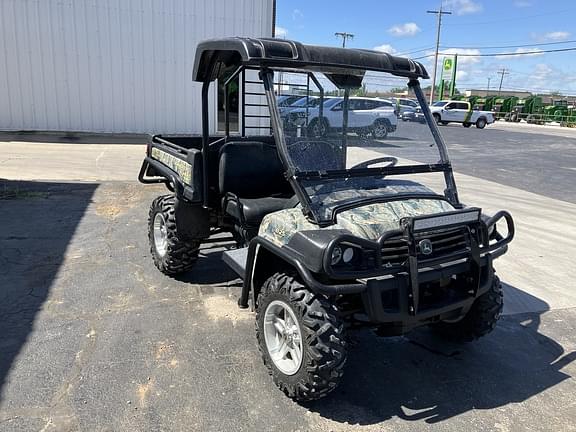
439 13
502 72
488 88
345 36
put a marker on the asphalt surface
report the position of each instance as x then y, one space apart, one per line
531 159
94 338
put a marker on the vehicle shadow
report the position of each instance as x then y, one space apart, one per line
420 377
37 222
210 270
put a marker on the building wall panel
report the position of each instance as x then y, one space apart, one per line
112 65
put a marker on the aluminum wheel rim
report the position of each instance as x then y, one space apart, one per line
160 234
380 131
283 337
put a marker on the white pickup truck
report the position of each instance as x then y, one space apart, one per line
445 112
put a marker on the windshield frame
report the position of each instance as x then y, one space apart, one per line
295 177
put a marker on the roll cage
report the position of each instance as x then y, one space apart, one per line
345 69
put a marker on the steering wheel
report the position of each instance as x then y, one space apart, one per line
392 161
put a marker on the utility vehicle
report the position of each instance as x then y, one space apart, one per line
329 232
445 112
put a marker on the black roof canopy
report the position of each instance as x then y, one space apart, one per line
214 54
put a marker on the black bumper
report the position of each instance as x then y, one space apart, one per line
389 300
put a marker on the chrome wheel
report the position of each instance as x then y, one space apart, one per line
380 130
160 234
283 337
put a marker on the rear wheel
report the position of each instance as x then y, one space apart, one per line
380 129
466 125
480 320
171 255
481 123
300 337
318 128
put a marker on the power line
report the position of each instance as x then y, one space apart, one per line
511 46
403 53
505 54
516 18
345 36
439 14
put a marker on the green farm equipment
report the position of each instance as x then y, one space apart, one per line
525 108
503 105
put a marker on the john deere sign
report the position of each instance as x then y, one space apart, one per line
448 74
448 65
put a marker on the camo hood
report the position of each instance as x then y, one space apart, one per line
367 222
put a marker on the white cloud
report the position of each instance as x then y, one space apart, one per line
464 7
557 36
461 74
297 14
281 32
407 29
533 53
469 58
386 48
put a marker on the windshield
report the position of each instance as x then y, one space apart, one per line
439 103
338 152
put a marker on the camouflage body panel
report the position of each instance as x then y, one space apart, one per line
367 222
182 168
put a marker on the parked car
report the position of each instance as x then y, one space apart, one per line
365 116
287 100
404 104
460 112
413 115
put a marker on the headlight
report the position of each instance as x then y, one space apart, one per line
348 255
351 257
336 256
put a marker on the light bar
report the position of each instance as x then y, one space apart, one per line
446 219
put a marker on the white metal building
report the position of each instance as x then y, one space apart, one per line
112 65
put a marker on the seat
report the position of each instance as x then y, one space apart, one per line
251 211
251 181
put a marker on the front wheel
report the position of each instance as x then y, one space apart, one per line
437 118
300 337
466 125
480 320
171 255
481 123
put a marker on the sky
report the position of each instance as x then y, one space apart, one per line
475 27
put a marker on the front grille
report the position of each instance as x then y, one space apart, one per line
444 243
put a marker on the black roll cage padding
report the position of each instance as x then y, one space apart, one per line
265 52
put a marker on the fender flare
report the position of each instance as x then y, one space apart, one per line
258 243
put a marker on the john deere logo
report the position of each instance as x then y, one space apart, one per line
448 64
425 247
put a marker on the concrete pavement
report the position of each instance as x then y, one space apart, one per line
95 338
